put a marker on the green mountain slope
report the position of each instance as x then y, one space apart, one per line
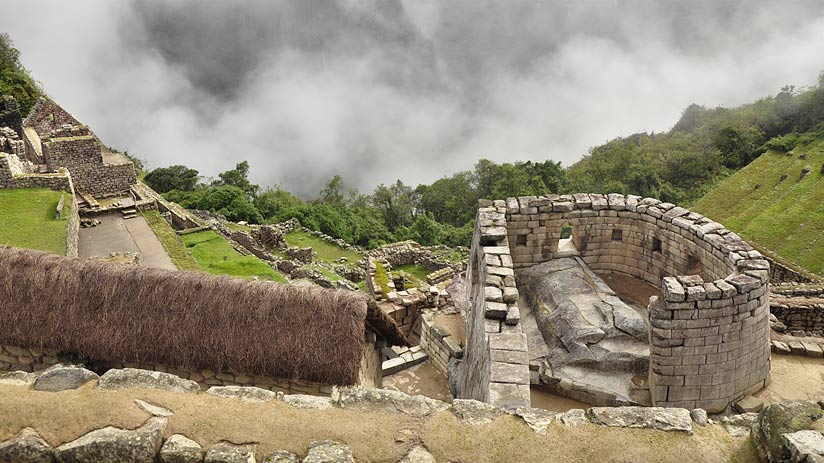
784 216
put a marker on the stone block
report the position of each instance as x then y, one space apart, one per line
508 341
496 310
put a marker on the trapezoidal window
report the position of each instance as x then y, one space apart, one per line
693 265
566 242
520 240
656 245
617 235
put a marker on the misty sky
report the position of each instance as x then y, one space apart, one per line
374 90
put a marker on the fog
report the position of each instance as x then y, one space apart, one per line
376 90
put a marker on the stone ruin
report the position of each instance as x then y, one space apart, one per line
539 313
56 151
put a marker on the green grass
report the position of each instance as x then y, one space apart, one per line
27 219
326 251
414 275
785 217
214 255
171 241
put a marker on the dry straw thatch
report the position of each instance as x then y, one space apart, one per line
114 312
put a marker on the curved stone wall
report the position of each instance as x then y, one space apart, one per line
709 329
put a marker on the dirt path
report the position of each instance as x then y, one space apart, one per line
373 436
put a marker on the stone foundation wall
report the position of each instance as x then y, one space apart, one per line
371 371
495 366
709 340
14 358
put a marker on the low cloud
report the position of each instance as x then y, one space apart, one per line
376 90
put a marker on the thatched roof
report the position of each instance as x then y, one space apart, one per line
135 314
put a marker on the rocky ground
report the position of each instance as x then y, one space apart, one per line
376 426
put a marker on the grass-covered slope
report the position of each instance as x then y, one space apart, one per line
27 219
214 255
783 216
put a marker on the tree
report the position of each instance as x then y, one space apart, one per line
332 193
15 80
271 201
231 202
175 177
395 204
239 177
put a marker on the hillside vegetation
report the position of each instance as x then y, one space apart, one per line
770 203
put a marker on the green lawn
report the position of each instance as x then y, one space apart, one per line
27 219
171 241
326 251
786 217
214 255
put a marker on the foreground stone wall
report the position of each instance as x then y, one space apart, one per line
13 358
709 341
495 366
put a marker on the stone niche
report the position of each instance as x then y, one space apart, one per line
708 331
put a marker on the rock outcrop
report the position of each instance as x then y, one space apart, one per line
26 447
132 377
114 445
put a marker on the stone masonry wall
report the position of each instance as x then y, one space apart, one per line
82 156
709 340
10 114
73 228
14 358
60 181
438 343
495 366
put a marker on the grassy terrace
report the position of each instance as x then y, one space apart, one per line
171 241
28 219
414 275
214 255
326 251
783 216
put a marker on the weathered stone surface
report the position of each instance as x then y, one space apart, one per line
63 378
537 419
244 393
152 409
699 416
180 449
328 451
739 425
663 419
26 447
418 454
131 377
225 452
389 401
474 412
778 419
801 444
574 417
18 378
114 445
281 456
308 401
596 341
